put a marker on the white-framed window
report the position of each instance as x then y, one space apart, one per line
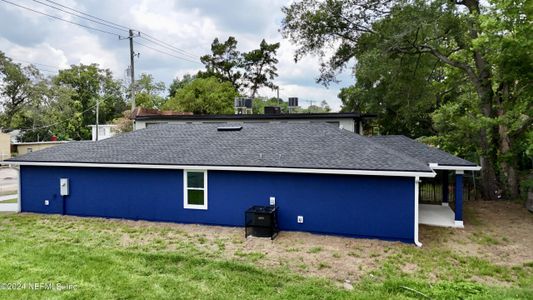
195 189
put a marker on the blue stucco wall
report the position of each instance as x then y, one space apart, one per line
365 206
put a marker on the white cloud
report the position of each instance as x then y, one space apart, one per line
186 24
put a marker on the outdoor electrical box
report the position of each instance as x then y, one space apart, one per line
63 186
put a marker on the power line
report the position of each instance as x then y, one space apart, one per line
86 14
80 16
163 52
145 36
60 19
166 45
116 26
34 63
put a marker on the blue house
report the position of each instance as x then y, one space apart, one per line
322 179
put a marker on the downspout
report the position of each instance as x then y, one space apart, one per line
417 242
19 191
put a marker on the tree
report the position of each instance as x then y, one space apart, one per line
204 96
90 84
16 89
52 113
148 92
464 37
124 123
260 67
178 83
251 70
224 62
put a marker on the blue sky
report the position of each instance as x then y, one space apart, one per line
190 25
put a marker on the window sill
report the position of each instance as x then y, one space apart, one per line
200 207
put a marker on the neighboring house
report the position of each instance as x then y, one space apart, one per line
351 121
322 179
5 146
29 147
104 131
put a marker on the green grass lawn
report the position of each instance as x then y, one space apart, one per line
158 262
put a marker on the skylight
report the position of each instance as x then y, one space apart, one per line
229 128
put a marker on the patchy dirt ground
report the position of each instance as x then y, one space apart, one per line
500 232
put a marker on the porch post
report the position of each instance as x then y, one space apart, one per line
445 185
459 199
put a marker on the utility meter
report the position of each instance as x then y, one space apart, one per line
63 186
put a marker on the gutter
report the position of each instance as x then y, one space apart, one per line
230 168
435 166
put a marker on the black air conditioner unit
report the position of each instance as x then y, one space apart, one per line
261 221
272 110
293 101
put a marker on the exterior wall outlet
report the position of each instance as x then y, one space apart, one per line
46 202
300 219
272 201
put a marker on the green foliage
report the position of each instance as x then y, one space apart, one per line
457 74
90 83
16 88
179 83
224 62
260 67
204 96
148 92
62 105
251 70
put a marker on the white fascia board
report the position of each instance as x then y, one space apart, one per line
231 168
454 168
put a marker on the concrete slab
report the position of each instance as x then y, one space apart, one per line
8 207
437 215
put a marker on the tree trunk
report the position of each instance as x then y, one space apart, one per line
483 84
489 182
507 161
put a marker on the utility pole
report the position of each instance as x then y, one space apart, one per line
277 89
132 64
97 118
132 71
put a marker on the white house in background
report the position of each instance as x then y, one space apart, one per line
104 131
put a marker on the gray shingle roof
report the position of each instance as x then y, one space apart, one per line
288 145
420 151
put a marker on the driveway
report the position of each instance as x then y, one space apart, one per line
8 181
8 189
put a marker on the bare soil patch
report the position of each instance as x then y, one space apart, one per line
499 231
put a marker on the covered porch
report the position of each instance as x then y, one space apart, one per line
437 215
442 204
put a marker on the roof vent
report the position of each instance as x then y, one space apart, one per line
229 128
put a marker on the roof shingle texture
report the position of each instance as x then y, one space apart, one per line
288 145
420 151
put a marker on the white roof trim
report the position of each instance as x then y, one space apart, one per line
435 166
229 168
